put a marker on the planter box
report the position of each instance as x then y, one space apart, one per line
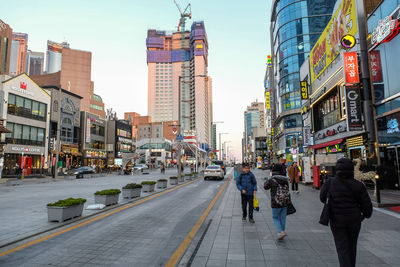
188 178
173 181
182 179
45 180
87 175
148 187
131 193
13 182
162 184
61 214
106 199
70 177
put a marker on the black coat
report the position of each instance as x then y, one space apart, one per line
272 184
349 199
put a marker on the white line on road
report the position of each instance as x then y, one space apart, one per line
387 212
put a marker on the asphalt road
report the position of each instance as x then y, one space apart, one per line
143 235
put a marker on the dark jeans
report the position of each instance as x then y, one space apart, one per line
346 243
295 185
247 199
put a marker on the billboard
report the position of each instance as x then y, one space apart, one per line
351 68
353 107
327 48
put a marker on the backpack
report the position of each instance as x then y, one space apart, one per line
282 195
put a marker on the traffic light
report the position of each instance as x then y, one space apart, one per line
269 62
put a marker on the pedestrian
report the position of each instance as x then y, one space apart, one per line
294 172
280 198
349 205
18 170
247 185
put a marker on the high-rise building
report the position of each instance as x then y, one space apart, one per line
19 48
34 63
295 27
254 126
5 47
71 69
180 63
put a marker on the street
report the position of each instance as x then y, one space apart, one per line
143 235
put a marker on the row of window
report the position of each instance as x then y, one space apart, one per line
96 145
93 106
25 134
5 53
97 130
27 108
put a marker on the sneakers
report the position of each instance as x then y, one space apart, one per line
281 235
244 219
251 221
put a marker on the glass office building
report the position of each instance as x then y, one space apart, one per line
295 27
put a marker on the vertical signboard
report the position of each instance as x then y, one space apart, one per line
376 66
88 130
353 107
306 136
351 68
267 103
304 90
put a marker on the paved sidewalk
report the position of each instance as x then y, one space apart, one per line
231 242
23 209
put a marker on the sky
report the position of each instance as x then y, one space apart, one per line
115 32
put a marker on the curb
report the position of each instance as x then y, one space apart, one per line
82 218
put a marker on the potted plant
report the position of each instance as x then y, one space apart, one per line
131 190
162 183
107 196
173 180
65 209
148 186
195 175
188 176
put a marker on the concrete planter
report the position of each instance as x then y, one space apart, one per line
45 180
13 182
60 214
162 184
131 193
173 181
106 199
182 179
148 187
87 175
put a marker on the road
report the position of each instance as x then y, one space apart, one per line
143 235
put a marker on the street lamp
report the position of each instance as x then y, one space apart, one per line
220 146
180 117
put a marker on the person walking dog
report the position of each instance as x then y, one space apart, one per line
294 174
280 198
349 205
247 185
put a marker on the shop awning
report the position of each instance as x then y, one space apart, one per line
331 143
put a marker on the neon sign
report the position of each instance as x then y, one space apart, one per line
387 28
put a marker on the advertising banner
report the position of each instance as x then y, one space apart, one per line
304 90
353 107
267 103
376 66
327 48
88 130
351 68
306 136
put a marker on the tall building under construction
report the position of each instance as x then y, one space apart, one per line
171 60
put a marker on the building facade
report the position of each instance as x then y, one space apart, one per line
120 144
295 27
19 49
5 47
180 63
254 126
384 54
34 63
27 116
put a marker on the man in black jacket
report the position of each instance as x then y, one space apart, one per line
349 205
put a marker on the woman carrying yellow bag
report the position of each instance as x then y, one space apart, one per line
255 203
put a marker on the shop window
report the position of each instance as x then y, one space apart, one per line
24 107
327 112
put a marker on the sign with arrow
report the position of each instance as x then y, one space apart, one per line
179 137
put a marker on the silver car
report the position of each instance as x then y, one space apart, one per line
140 167
213 172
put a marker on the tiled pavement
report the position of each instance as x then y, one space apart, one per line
231 242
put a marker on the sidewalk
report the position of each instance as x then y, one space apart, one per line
231 242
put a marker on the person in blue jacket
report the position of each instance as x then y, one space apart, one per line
247 185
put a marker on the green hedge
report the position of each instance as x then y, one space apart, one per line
148 182
162 180
108 192
173 177
132 186
67 202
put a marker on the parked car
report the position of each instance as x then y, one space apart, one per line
220 163
141 167
80 171
214 172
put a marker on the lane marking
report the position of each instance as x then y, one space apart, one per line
188 239
34 242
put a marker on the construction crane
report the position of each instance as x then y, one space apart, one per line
186 14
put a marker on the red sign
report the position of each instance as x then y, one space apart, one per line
376 67
351 68
43 159
53 161
22 85
67 162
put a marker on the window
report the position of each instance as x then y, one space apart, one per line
55 106
25 135
67 121
25 107
328 111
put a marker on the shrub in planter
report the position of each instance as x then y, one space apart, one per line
65 209
182 179
188 176
148 186
131 190
173 180
162 183
107 196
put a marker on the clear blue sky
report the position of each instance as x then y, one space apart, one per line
115 33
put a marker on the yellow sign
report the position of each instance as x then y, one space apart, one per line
327 48
304 90
199 46
267 102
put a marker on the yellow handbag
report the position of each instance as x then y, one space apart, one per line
256 206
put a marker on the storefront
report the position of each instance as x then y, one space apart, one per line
384 54
27 117
96 158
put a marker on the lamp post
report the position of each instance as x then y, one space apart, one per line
180 117
220 146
